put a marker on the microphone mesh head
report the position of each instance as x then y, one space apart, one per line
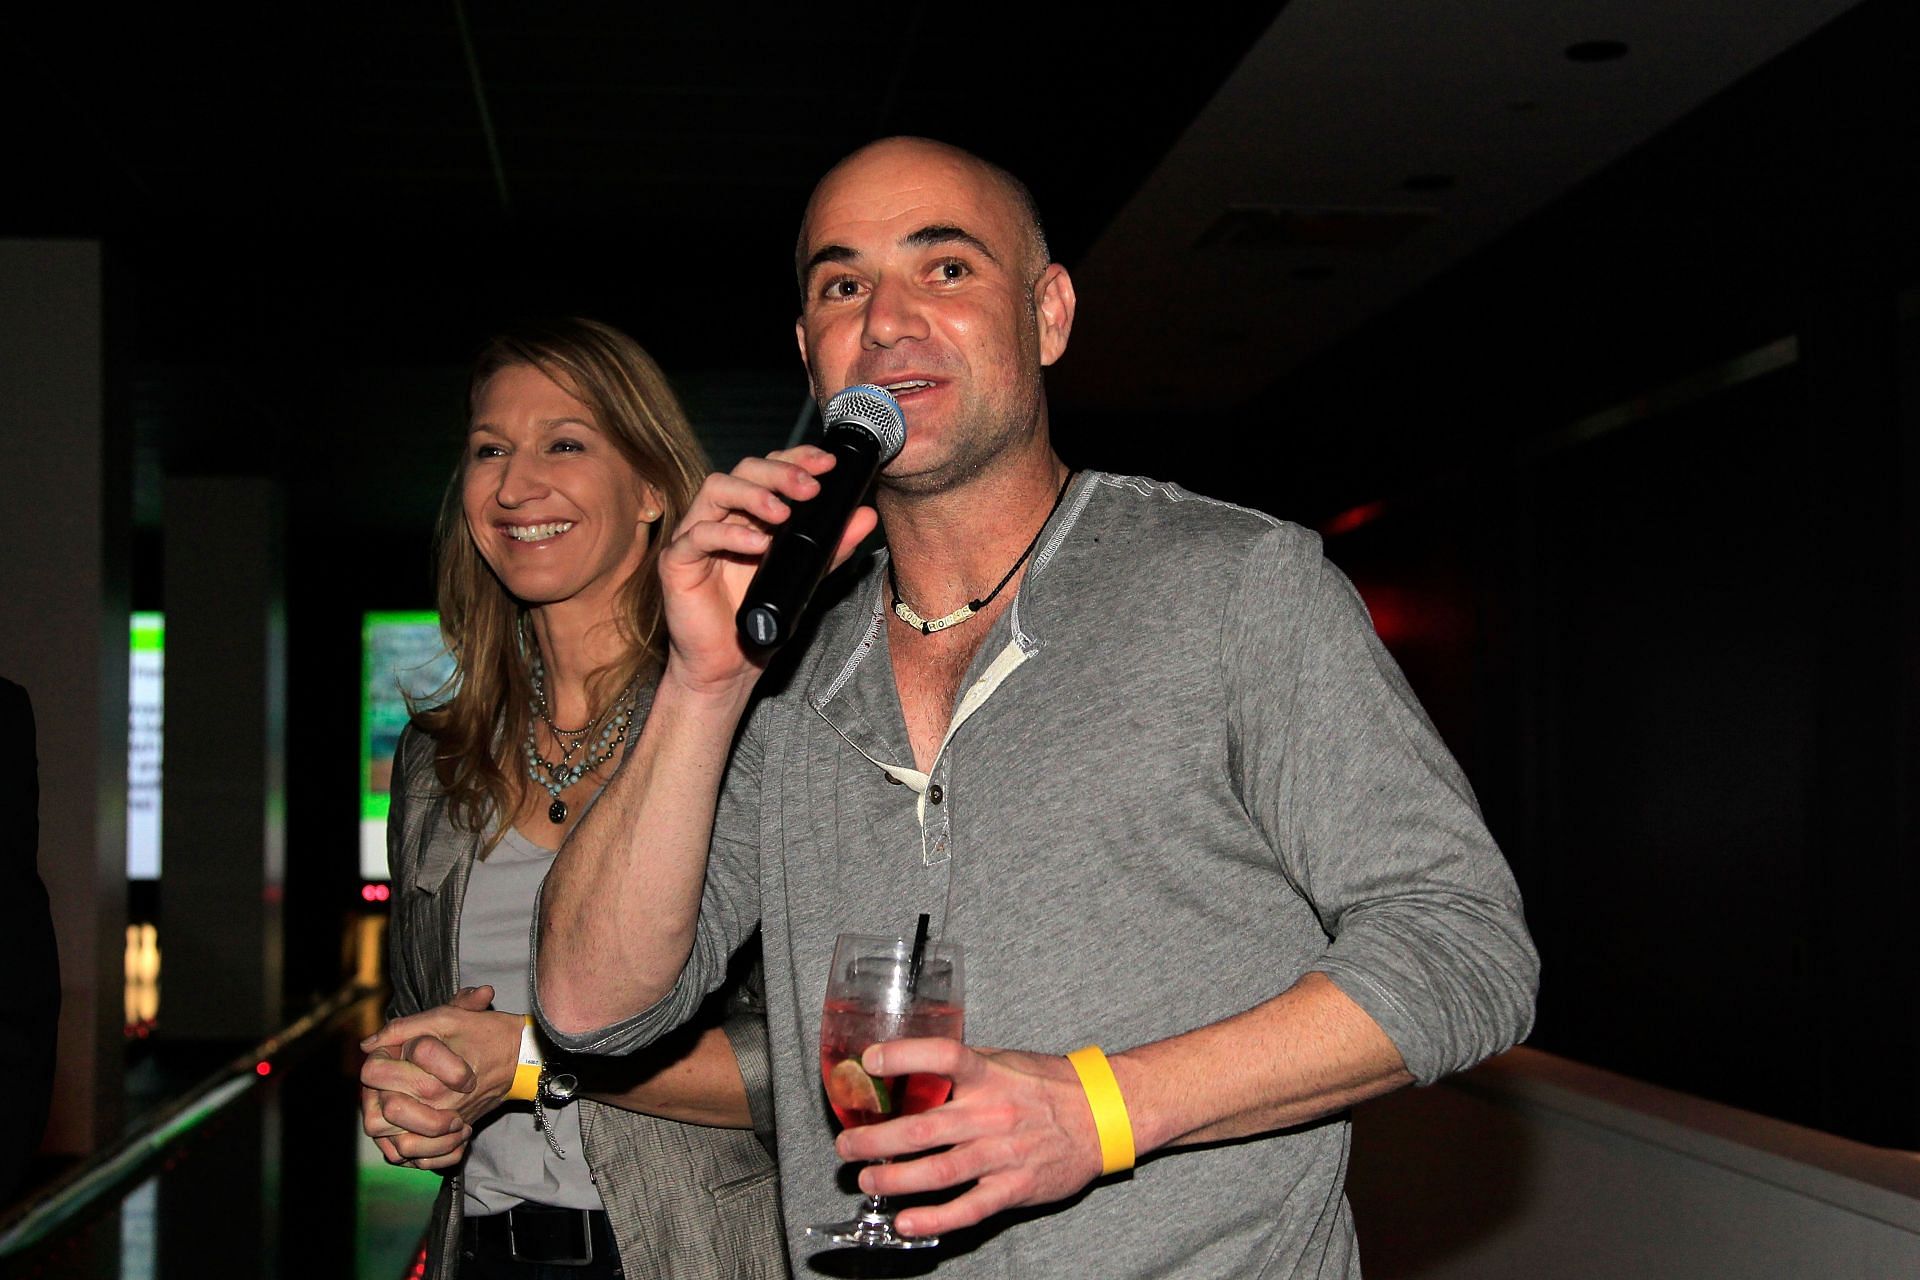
873 411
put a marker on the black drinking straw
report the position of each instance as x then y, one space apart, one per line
919 954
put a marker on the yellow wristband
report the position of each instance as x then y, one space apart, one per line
1109 1108
526 1076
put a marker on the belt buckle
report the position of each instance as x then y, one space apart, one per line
578 1218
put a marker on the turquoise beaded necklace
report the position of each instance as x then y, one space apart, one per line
614 722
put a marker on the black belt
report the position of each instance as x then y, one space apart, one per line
541 1233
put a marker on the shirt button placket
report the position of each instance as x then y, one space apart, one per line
936 832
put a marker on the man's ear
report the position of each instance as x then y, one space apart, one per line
1053 304
800 340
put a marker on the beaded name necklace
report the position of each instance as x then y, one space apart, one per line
926 627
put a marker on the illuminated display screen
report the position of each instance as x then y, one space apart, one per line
146 666
402 657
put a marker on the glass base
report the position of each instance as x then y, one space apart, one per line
873 1229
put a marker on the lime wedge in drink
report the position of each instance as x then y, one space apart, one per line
850 1088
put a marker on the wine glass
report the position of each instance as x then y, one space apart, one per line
873 995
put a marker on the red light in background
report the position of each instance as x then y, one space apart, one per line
263 1068
1395 613
1408 617
375 893
1353 518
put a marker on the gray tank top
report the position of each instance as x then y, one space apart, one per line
508 1161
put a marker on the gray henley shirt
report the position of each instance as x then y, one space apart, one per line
1182 774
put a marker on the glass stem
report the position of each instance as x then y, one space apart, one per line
876 1215
877 1206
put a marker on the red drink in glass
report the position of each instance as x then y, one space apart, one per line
847 1027
882 989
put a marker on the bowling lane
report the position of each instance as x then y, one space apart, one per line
264 1173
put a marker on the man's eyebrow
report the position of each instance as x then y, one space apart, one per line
924 238
939 233
828 253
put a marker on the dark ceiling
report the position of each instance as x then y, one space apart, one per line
298 198
312 217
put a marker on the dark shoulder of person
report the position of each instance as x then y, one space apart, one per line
30 997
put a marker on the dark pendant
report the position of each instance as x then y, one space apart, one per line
557 812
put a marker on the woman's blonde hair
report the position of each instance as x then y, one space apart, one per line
479 718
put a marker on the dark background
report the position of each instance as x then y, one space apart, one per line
1657 590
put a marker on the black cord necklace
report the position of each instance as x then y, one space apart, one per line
905 613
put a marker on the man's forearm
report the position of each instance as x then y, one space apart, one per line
702 1086
619 907
1304 1054
1018 1131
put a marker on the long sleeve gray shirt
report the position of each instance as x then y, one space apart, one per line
1182 774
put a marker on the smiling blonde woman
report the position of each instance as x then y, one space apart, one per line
576 456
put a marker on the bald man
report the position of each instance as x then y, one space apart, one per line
1138 751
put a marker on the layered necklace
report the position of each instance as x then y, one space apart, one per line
927 626
614 722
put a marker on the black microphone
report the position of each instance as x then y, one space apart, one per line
865 428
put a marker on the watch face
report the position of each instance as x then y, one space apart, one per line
560 1087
